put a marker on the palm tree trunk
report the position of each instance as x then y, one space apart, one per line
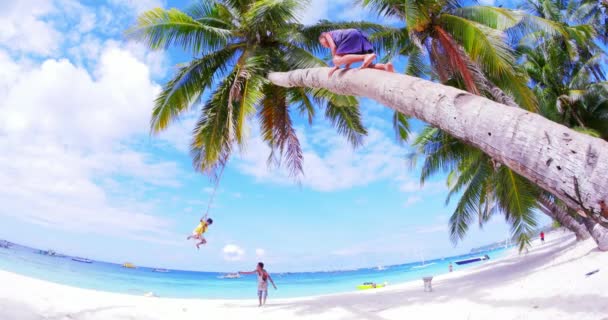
561 215
571 165
598 233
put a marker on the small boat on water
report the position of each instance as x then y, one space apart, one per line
230 276
381 268
161 270
5 244
476 259
129 265
83 260
49 252
371 285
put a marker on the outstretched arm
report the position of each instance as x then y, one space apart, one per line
204 218
248 272
270 278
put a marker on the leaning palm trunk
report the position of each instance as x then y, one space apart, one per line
561 215
598 233
571 165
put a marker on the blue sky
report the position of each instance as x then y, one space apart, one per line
80 173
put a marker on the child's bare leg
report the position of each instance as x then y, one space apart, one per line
367 60
264 303
260 298
383 66
202 241
334 69
349 59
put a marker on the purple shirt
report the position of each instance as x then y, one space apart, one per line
351 41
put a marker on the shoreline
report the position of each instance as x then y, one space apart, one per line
547 283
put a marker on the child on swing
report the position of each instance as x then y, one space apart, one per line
200 229
349 46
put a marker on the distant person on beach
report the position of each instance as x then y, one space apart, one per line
542 237
349 46
200 229
263 278
450 267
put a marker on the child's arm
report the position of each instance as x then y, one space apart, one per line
204 218
331 43
270 278
248 272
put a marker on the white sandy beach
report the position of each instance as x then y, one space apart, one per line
547 283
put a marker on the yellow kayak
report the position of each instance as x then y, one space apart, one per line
367 286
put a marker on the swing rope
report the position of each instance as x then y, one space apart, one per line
215 187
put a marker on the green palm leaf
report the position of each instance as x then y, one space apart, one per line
160 29
187 86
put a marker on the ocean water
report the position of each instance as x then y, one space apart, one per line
112 277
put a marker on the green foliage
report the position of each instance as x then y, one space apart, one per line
235 43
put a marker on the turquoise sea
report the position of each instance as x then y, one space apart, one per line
112 277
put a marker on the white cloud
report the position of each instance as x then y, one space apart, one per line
138 6
442 227
336 10
330 163
432 187
411 200
233 252
315 11
260 253
65 135
23 29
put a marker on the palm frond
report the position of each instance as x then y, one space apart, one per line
401 125
347 120
187 86
160 29
277 130
517 199
493 17
469 203
483 45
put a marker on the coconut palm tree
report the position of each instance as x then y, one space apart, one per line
485 187
465 45
234 44
561 161
567 76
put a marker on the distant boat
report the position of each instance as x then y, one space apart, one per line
476 259
381 268
129 265
161 270
83 260
5 244
230 276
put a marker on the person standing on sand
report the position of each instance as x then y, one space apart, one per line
450 267
542 237
263 278
349 46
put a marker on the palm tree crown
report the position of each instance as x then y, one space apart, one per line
235 43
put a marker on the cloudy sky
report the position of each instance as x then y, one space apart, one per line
80 173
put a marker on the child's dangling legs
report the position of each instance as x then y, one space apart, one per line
203 241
